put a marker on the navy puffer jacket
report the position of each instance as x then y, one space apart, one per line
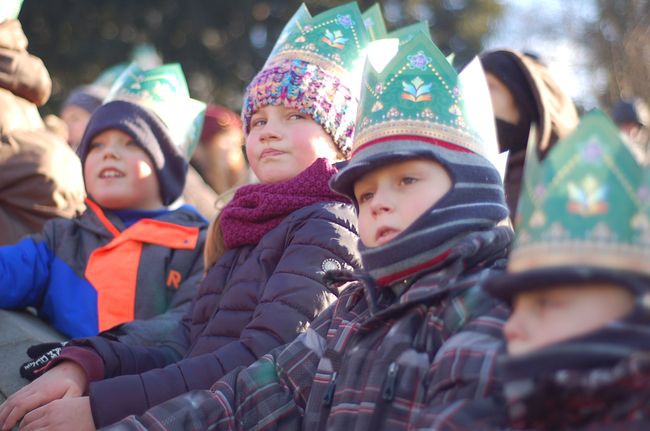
254 299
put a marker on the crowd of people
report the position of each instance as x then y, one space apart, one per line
352 252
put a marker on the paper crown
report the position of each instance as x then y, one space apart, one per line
411 89
164 91
586 204
10 9
334 40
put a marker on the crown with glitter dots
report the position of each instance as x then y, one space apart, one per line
334 40
587 203
164 91
416 92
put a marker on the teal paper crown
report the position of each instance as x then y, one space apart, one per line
334 40
409 88
164 91
587 203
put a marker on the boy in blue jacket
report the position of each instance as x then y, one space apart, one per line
131 254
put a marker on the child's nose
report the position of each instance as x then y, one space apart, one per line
381 202
270 131
513 329
111 152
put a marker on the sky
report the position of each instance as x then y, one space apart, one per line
546 27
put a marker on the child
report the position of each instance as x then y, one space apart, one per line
129 255
279 238
412 343
579 283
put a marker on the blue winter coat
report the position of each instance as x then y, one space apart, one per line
82 276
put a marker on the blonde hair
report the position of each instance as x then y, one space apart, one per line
215 247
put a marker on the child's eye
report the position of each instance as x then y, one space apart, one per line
364 197
256 122
548 303
94 145
296 116
408 180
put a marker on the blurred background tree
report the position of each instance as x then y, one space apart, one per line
604 45
621 33
221 44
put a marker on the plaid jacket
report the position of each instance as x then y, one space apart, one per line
424 359
598 381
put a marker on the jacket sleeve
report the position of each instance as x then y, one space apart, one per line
463 388
294 291
269 394
161 330
24 272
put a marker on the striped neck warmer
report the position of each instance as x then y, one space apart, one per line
475 203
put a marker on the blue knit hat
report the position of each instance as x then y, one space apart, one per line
87 97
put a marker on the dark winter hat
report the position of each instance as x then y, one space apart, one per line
582 216
538 95
414 107
217 119
148 132
631 111
315 68
508 70
87 97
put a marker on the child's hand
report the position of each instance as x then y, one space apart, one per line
65 380
65 414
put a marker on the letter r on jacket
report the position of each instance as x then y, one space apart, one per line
174 279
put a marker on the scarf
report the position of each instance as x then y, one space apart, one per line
257 208
475 203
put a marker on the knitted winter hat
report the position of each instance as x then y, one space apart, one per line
217 119
150 134
314 68
583 214
87 97
414 107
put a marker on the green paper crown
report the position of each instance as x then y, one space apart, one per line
373 20
334 40
585 204
409 88
10 9
164 91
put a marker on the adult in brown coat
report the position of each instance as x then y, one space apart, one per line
40 176
525 94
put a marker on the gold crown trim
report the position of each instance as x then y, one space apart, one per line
615 256
427 129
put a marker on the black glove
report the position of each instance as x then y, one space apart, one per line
41 354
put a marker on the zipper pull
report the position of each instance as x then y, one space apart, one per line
329 394
388 392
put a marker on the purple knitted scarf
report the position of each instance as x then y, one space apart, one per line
257 208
